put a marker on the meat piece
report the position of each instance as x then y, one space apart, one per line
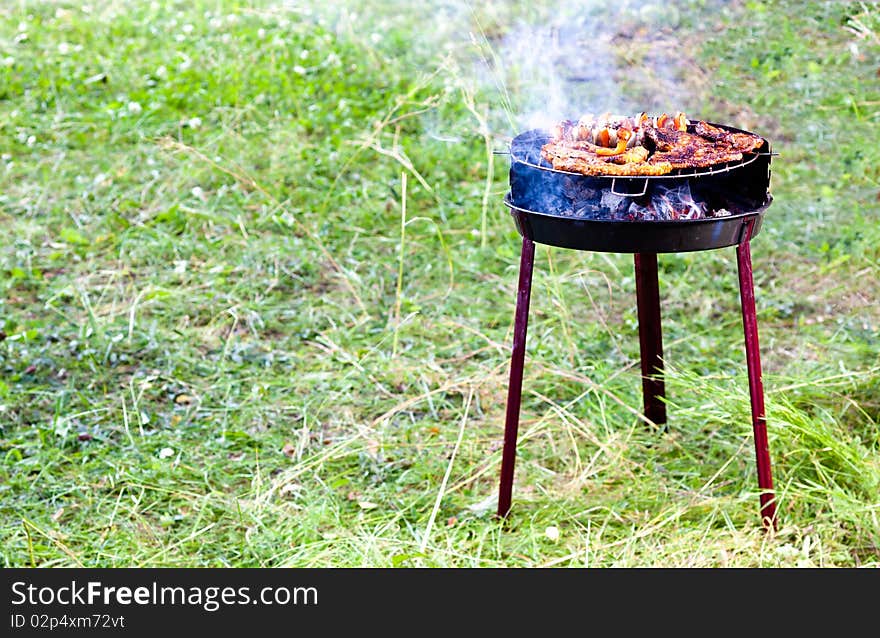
578 165
742 142
689 150
695 157
565 158
668 139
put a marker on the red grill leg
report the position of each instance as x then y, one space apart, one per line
514 390
756 384
650 337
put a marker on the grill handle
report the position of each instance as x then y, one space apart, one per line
615 192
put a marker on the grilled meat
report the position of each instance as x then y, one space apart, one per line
687 150
695 157
668 139
742 142
642 145
563 157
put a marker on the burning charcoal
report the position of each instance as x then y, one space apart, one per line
692 209
614 204
588 210
626 215
643 213
677 203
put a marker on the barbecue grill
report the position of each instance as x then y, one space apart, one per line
595 213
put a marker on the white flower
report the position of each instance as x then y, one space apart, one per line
166 452
198 192
194 122
187 28
299 70
552 533
31 140
63 48
134 108
261 33
162 72
303 54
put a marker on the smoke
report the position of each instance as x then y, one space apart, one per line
538 62
588 56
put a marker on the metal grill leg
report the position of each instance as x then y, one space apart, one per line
650 337
514 391
756 384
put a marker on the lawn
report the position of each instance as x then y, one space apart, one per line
257 288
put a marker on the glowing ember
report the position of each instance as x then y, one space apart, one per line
668 204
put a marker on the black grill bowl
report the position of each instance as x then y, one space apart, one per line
635 236
540 202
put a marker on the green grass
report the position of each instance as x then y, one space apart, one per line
225 345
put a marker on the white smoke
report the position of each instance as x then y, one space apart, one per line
537 62
588 56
